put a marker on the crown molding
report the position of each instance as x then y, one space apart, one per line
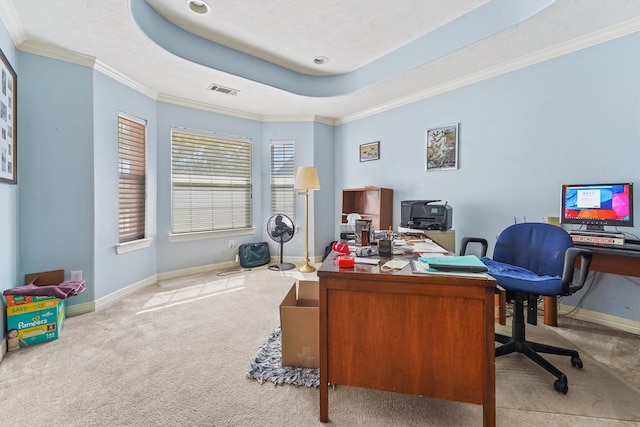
125 80
305 118
208 107
325 120
45 49
607 34
12 23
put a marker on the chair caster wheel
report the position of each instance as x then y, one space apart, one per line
561 385
576 362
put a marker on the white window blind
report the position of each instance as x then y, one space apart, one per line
210 182
283 176
132 178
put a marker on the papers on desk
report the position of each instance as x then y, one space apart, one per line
363 260
428 247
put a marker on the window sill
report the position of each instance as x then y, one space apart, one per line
123 248
185 237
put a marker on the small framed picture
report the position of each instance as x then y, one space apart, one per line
370 151
442 148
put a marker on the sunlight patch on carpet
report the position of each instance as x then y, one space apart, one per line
267 366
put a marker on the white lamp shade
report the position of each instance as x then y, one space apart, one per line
307 178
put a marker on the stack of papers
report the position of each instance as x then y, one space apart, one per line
468 264
429 247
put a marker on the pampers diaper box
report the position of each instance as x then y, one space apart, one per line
32 320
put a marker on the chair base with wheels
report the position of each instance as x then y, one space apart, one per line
517 343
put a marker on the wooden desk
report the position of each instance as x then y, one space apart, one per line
424 335
605 260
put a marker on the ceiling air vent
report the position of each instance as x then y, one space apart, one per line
222 89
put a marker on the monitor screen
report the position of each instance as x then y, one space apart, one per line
597 205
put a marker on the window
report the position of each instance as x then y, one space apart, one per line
283 177
210 182
132 135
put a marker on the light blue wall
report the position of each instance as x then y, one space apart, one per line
9 202
55 128
112 271
314 145
324 220
574 119
180 255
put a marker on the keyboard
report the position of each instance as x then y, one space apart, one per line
629 245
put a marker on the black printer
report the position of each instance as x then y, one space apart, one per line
425 215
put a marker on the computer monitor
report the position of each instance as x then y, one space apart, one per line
597 205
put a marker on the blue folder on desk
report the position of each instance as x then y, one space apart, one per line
465 263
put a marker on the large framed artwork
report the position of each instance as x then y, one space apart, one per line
442 148
8 122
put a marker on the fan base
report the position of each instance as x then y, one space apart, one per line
283 266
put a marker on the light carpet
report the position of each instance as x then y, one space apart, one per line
176 354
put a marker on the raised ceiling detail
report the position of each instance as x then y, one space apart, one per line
480 23
370 46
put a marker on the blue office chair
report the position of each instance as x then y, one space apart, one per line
532 260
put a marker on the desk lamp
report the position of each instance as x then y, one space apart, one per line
306 179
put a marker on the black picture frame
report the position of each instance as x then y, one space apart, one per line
8 122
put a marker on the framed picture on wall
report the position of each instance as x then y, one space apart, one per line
442 148
8 121
370 151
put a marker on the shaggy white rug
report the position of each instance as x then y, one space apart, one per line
267 366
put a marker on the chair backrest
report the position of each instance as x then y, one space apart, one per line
538 247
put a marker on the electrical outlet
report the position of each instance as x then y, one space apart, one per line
76 275
232 244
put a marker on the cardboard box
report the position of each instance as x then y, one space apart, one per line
34 322
44 278
300 325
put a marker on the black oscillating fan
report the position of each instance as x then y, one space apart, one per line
280 228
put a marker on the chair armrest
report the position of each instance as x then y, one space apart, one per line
569 286
465 241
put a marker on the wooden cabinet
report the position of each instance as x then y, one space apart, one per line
372 203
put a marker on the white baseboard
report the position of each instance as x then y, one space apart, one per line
81 308
116 296
196 270
107 300
621 323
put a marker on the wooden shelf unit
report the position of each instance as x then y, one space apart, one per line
372 203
